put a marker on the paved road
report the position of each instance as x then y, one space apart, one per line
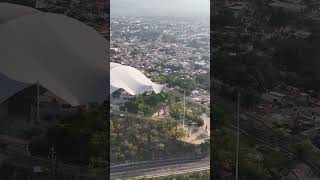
267 134
161 168
158 168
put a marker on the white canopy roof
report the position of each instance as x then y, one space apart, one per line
131 80
64 55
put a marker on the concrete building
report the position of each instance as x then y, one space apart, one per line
57 61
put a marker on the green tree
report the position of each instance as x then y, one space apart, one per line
303 149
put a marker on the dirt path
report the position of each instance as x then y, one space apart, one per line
197 135
161 114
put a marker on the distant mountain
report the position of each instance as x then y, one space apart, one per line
160 7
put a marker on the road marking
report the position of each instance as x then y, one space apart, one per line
175 172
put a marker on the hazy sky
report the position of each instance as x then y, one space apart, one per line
160 7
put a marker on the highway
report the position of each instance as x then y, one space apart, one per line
157 168
160 168
267 134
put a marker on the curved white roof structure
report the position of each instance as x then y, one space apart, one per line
64 55
131 80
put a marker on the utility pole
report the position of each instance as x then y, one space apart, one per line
38 101
238 119
184 107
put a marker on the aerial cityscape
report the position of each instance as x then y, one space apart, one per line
266 89
160 112
163 72
52 105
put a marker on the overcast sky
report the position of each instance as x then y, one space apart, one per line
160 7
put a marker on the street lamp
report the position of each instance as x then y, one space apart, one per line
238 119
